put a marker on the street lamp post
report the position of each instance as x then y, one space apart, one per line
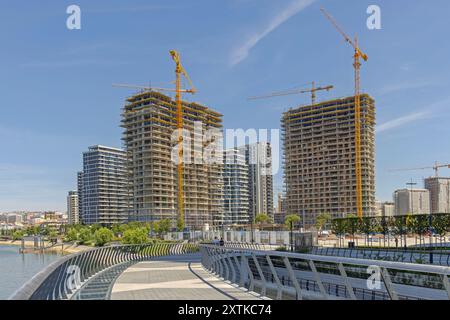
411 184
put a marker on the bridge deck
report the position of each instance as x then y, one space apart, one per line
174 278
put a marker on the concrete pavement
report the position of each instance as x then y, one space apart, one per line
174 278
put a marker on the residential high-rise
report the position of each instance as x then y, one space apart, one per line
103 186
150 137
72 207
80 194
412 201
280 214
439 188
319 158
258 157
236 193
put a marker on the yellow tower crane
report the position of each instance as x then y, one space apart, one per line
313 91
179 72
357 67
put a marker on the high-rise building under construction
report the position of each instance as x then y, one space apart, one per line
149 119
319 158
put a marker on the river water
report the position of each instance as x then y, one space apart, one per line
17 268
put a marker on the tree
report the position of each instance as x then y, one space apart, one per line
85 235
17 235
32 231
322 220
53 234
294 218
102 236
180 225
367 225
156 228
262 218
338 227
399 227
135 236
351 225
72 235
164 225
441 224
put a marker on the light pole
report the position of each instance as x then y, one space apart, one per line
411 184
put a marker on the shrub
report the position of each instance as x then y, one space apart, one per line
72 235
135 236
85 235
102 236
17 235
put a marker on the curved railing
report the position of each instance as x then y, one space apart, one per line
63 278
284 275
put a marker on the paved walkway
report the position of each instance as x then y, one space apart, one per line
174 278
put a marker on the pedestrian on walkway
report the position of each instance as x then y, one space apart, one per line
222 243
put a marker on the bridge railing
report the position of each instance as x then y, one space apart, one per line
284 275
63 278
411 255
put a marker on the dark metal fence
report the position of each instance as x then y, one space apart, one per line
63 278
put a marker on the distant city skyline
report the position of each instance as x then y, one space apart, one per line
58 98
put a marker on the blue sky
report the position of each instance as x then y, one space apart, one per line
57 99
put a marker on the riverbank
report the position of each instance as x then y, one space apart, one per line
66 248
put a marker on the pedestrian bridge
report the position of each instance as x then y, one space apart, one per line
238 272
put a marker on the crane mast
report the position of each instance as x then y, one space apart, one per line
179 72
358 54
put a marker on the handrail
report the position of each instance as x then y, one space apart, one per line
325 277
64 277
402 255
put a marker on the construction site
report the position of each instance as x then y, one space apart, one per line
319 158
329 155
149 119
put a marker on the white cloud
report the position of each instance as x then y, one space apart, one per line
439 107
399 122
242 52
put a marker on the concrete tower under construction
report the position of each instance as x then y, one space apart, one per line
319 158
149 120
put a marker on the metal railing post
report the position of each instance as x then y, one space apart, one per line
293 278
261 274
388 283
346 281
317 278
275 276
